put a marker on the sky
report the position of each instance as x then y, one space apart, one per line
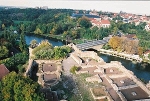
137 7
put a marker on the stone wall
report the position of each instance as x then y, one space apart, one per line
134 78
91 54
76 58
74 47
117 76
101 97
29 68
121 96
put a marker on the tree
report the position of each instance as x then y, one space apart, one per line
3 52
114 42
44 45
84 22
38 31
140 51
33 43
22 43
15 87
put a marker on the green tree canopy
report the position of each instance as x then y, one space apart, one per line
3 52
84 22
15 87
33 43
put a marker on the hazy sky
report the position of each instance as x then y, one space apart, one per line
138 7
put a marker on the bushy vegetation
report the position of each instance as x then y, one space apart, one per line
44 45
46 51
15 87
74 69
15 62
33 44
3 52
13 49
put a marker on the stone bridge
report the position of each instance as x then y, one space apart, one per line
94 44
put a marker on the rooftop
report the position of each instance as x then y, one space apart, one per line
105 21
3 71
87 15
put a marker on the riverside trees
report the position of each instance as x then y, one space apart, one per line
124 44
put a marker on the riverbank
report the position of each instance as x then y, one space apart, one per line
57 37
131 57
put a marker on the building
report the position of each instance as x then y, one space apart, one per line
86 15
100 23
3 71
147 27
105 23
48 74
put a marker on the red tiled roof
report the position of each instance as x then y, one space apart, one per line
3 71
96 22
105 21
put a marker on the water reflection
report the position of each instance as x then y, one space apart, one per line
54 42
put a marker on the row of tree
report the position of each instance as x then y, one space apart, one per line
124 44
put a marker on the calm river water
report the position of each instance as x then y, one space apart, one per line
54 42
142 70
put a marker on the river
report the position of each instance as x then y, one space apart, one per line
142 71
54 42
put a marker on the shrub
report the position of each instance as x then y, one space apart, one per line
73 69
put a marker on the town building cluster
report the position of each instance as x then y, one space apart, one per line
103 19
